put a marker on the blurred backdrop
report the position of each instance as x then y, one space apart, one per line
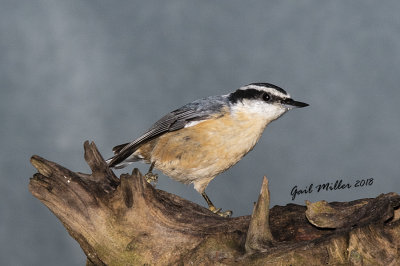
105 71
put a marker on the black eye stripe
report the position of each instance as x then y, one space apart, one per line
250 94
239 95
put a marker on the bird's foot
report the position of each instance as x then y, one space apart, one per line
211 207
225 214
151 178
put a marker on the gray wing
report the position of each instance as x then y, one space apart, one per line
175 120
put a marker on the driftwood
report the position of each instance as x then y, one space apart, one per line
126 221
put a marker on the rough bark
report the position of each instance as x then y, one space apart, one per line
126 221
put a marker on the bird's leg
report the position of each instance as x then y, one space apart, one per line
150 177
212 208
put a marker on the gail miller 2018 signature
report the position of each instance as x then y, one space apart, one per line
330 186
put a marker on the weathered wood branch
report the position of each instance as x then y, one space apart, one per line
126 221
259 236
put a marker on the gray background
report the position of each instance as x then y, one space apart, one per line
106 70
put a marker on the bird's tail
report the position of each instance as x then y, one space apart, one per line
118 148
122 158
119 165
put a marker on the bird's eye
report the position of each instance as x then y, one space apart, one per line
266 97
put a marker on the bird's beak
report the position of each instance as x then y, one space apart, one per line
290 103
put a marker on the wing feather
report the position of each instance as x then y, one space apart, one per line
175 120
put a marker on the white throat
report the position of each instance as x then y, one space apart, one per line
259 110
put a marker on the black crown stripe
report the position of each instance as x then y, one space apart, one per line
269 85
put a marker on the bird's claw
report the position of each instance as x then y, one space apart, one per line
225 214
151 178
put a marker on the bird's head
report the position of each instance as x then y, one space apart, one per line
264 99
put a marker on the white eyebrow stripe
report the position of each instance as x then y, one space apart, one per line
269 90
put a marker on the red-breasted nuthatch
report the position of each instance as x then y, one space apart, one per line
204 138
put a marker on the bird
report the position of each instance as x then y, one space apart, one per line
198 141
